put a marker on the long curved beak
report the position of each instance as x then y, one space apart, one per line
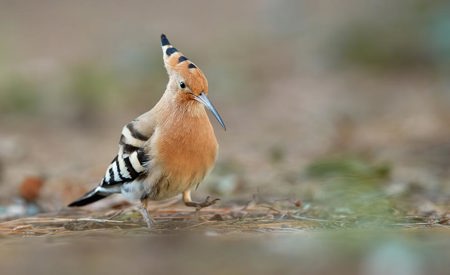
202 98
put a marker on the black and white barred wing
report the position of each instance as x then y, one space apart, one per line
130 164
126 168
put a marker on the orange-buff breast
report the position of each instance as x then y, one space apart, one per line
187 149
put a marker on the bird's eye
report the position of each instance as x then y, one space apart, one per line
182 85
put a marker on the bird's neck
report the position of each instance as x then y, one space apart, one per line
173 103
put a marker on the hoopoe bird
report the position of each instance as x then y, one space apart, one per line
168 150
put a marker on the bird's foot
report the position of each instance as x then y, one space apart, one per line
146 216
199 205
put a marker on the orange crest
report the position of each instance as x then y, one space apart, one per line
178 64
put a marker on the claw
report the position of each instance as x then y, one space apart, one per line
199 205
206 203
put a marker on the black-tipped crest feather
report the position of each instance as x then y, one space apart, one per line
164 40
170 51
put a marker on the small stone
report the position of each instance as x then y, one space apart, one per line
216 217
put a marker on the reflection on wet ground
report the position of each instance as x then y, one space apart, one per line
187 243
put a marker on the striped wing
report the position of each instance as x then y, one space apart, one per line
131 162
126 168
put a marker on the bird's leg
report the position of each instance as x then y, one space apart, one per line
144 212
198 205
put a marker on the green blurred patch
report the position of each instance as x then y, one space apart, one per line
352 190
90 89
413 37
438 36
276 154
348 167
382 49
90 86
18 96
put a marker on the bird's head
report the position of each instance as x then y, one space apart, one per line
186 80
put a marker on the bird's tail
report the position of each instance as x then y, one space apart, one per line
90 197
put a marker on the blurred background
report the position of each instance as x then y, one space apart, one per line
340 107
307 89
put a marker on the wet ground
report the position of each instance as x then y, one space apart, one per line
250 239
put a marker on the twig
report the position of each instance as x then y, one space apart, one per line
115 214
308 219
421 223
93 220
197 225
